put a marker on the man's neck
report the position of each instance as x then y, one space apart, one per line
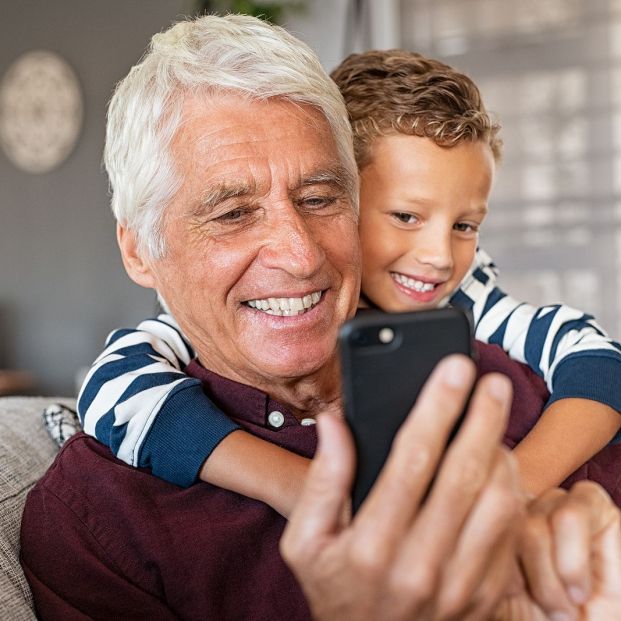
305 396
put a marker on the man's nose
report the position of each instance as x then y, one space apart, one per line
294 243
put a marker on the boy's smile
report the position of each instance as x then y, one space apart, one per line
421 206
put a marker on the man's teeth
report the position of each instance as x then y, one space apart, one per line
411 283
286 307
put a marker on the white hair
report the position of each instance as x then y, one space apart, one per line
232 53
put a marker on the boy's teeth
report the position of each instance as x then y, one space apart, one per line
411 283
286 307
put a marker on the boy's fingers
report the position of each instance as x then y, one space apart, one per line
577 524
537 556
607 559
571 552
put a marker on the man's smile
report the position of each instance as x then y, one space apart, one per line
286 307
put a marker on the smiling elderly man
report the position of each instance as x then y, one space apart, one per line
239 145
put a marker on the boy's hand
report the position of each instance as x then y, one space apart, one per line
570 549
570 553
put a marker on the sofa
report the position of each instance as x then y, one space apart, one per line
26 451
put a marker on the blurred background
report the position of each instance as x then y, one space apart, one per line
551 71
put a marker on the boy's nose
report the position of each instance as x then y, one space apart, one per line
435 250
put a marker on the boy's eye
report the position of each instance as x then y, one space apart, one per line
466 227
404 217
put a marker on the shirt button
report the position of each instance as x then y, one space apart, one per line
307 421
276 419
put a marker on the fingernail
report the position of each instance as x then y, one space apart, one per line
499 387
561 616
577 595
454 371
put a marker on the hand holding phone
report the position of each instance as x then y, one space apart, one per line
385 360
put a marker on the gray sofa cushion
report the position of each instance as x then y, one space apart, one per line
26 451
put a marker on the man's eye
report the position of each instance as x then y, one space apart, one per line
466 227
404 217
318 202
233 215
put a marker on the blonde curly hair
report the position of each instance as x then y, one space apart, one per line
396 91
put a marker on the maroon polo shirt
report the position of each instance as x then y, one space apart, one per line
103 540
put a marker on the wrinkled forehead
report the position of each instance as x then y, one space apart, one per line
227 138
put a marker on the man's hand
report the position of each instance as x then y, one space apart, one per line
570 550
403 556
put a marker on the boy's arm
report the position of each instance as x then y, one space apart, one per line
562 440
564 346
137 401
575 357
257 469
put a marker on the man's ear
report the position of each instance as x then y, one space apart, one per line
137 268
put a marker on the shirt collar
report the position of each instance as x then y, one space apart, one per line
242 402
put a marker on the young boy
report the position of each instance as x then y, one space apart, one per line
426 151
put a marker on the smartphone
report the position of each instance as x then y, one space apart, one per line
385 360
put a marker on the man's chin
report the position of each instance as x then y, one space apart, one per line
291 371
293 365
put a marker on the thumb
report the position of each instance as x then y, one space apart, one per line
318 515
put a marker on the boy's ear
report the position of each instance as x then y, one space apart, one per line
137 268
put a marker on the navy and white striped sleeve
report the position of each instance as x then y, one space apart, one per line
137 400
564 346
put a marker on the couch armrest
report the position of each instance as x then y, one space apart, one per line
26 451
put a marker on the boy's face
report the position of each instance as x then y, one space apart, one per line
421 207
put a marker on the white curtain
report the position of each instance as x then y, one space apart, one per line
551 70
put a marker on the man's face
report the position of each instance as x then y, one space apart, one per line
262 264
421 207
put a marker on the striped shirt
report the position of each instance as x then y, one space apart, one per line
137 400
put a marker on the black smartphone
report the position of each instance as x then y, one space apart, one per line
385 360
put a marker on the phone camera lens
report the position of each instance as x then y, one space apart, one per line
361 338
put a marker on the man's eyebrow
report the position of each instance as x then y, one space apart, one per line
337 176
216 194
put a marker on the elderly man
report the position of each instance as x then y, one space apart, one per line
234 181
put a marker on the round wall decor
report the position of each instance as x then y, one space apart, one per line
41 111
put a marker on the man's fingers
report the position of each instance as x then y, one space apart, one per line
491 521
499 571
465 470
417 448
469 460
319 511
